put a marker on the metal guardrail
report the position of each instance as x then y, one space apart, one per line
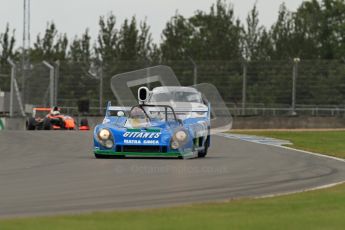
252 111
258 111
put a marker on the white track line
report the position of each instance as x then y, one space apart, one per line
280 144
299 191
274 142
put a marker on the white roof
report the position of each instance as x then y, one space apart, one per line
165 89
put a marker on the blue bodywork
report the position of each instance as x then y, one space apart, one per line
154 140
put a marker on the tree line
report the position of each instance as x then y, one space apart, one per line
316 30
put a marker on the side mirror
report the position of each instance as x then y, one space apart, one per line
120 114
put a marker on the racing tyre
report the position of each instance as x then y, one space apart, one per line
31 124
203 153
46 124
99 156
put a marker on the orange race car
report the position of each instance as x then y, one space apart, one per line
50 119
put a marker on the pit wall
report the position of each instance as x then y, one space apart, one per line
238 122
20 123
2 123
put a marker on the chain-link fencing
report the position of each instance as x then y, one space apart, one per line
275 88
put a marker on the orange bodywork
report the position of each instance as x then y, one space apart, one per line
69 123
84 128
42 109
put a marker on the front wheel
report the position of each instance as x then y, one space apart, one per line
99 156
31 124
203 153
46 124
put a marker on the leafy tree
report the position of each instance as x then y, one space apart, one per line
135 42
315 30
7 42
51 47
128 43
256 40
146 50
107 41
176 38
213 35
80 49
281 34
74 72
332 34
217 34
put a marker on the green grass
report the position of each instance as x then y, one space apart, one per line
326 142
322 209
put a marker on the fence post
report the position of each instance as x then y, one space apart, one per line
195 70
51 82
14 87
101 90
13 72
244 88
96 72
294 78
56 81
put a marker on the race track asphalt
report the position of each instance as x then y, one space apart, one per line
51 172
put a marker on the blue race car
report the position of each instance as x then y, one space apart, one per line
156 127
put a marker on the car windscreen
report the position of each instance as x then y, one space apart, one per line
146 116
191 97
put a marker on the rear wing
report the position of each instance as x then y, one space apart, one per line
40 109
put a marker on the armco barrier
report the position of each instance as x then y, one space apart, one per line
20 123
299 122
14 123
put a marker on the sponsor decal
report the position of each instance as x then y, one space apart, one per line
131 141
138 142
141 135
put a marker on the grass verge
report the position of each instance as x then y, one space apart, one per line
326 142
322 209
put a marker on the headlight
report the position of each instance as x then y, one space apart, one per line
181 136
104 134
174 145
109 144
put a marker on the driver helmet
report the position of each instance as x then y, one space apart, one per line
55 111
137 113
